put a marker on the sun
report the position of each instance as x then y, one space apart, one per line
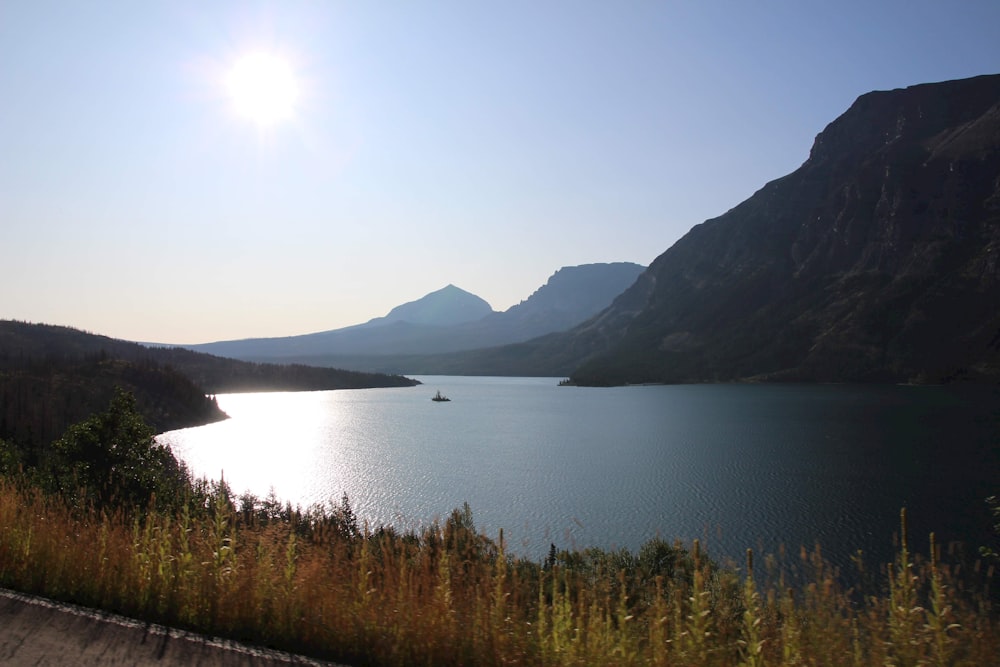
263 88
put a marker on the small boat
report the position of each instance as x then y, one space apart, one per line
439 397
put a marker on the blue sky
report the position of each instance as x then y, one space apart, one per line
484 144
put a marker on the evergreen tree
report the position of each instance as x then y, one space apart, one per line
112 457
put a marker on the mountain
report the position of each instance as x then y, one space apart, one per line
440 322
447 306
570 296
877 260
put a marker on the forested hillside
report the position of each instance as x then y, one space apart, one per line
52 377
23 345
38 403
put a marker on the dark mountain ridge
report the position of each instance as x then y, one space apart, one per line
876 260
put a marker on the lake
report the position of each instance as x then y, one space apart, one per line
735 465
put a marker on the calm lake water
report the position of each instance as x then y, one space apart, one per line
735 465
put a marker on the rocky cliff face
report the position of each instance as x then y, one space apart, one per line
876 260
570 295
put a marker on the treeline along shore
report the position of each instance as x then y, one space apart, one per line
52 377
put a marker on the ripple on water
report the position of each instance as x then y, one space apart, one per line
737 466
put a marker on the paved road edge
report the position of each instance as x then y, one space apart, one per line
32 625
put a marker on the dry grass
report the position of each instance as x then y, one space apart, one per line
311 583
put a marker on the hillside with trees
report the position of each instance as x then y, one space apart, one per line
52 377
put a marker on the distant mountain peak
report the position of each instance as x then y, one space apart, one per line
447 320
579 291
444 307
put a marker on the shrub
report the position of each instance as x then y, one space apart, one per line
112 459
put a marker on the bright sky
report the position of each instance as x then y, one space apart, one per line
147 194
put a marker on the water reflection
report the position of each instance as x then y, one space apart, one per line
735 465
270 442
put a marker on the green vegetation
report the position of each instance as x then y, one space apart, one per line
108 461
110 520
989 552
40 399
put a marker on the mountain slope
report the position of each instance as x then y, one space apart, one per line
876 260
570 296
447 306
38 403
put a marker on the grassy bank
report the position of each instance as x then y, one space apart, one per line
317 583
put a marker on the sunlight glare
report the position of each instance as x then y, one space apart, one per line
263 88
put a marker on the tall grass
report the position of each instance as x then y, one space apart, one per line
314 582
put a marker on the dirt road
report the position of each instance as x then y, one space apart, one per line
35 631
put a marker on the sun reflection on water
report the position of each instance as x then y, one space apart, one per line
271 441
615 467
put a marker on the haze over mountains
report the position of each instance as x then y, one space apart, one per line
447 320
877 260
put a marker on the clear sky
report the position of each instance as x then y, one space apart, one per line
421 143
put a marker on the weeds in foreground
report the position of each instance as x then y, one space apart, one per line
313 582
